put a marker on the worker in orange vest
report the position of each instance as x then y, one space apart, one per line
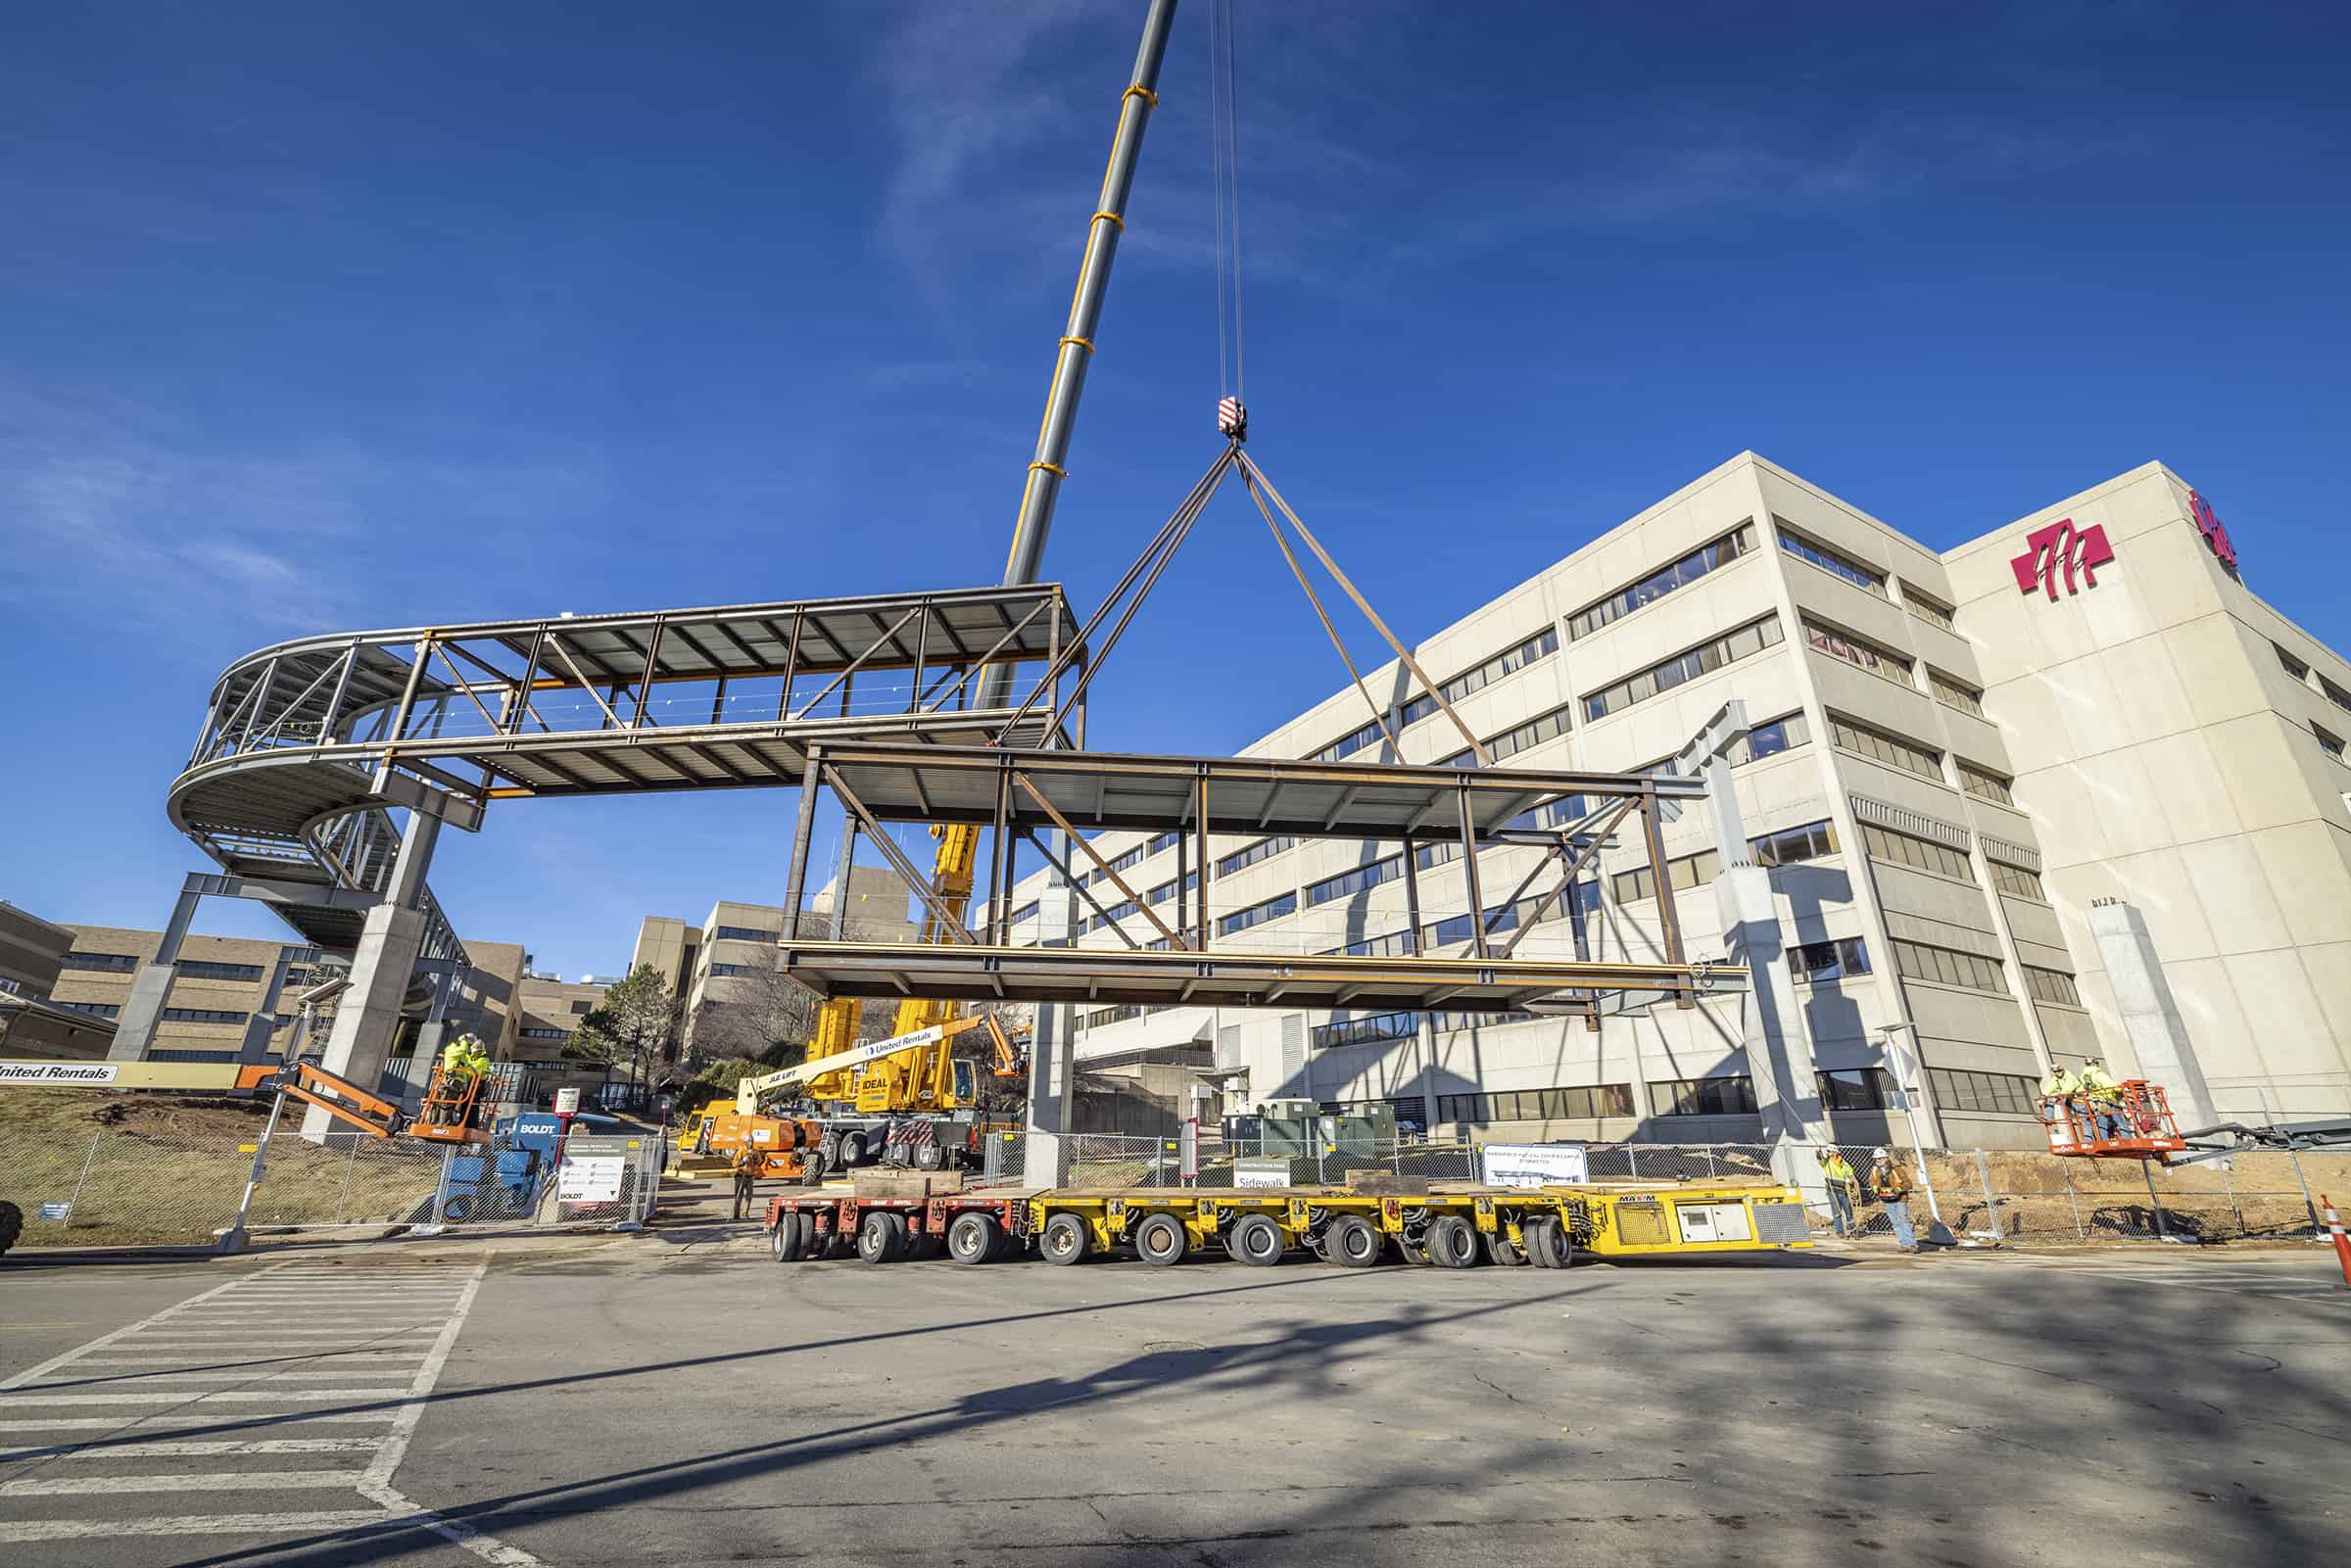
748 1161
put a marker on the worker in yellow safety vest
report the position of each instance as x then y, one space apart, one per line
2057 1090
2104 1098
464 1062
1836 1174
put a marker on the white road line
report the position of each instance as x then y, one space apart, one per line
196 1359
236 1395
214 1342
117 1423
224 1447
206 1524
233 1377
61 1359
219 1481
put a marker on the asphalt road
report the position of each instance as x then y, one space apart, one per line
631 1405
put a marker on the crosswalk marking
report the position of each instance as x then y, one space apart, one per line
292 1349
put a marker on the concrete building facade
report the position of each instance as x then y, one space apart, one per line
1893 787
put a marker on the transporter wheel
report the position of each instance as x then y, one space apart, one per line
1352 1242
1066 1240
827 1145
458 1208
1453 1243
880 1237
1547 1243
1255 1239
785 1240
852 1148
806 1224
813 1166
974 1238
1499 1248
930 1156
1161 1239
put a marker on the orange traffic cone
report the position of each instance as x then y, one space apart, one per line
2342 1243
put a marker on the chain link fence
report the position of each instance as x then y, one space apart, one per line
161 1173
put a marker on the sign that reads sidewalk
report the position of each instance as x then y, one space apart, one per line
77 1073
1534 1165
1252 1171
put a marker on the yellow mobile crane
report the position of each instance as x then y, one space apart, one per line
835 1033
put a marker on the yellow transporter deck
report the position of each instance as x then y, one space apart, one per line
1455 1225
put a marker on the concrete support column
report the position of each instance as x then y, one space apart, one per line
263 1022
433 1034
367 1015
151 987
2150 1017
1787 1093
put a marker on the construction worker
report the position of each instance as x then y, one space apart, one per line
1890 1189
2104 1098
748 1161
1836 1174
2057 1091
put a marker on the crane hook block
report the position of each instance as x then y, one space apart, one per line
1232 419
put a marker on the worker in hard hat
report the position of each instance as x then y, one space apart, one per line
2104 1098
1837 1175
748 1160
2057 1092
1890 1189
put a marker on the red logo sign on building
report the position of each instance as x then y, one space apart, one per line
2208 523
2061 547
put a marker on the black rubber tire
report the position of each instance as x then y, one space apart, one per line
1162 1240
1067 1240
1255 1240
810 1247
1352 1242
852 1150
784 1242
827 1145
930 1156
1453 1243
880 1237
1543 1237
458 1208
1499 1250
12 1226
974 1237
813 1166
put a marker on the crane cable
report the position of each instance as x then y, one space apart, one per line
1225 153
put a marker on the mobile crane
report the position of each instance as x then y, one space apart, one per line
911 1099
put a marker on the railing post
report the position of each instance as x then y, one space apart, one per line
349 1166
2229 1187
87 1160
1992 1205
2072 1198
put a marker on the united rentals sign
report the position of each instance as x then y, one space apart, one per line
2062 548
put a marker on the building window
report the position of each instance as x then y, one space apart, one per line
96 1009
581 1008
1920 854
1705 660
1026 911
204 968
1704 1097
1860 655
2001 1093
2335 693
1792 846
2016 881
2051 985
2291 665
1954 694
1947 965
1164 842
1584 1103
201 1015
1355 741
537 1032
1893 751
1929 610
103 962
1520 737
1263 849
2329 742
1828 561
1984 784
1688 569
1360 879
1240 920
731 971
1770 740
1167 889
1541 645
1836 959
1857 1089
1102 1017
742 933
1787 847
1117 863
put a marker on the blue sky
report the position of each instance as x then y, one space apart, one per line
327 316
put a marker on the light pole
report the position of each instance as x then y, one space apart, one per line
1904 1064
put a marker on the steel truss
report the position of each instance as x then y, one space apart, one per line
1031 795
309 747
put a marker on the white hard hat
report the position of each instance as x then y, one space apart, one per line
1877 1154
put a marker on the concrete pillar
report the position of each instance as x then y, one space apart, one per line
151 987
367 1014
2150 1017
263 1022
